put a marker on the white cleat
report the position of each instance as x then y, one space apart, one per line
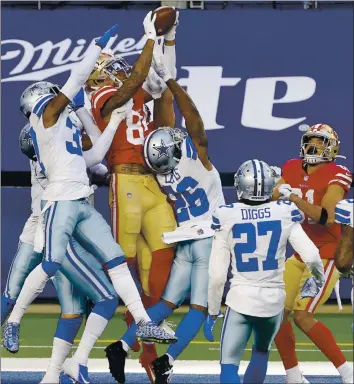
166 326
48 379
303 380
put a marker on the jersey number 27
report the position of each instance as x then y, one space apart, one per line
262 228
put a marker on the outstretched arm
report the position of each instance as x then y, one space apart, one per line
76 80
139 72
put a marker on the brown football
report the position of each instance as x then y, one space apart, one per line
165 18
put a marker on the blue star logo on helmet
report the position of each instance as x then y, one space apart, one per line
163 149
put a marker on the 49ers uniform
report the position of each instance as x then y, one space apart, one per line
312 188
139 209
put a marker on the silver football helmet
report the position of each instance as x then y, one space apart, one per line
26 143
254 181
33 92
162 149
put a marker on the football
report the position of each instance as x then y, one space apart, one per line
165 18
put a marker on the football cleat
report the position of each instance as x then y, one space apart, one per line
116 356
11 337
163 370
75 372
149 331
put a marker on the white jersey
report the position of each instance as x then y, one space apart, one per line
196 191
344 212
59 153
256 237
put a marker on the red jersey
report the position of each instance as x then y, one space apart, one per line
127 144
312 188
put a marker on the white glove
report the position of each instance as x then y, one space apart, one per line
285 191
158 63
149 26
311 288
120 114
276 173
171 35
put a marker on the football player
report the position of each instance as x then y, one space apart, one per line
66 210
255 231
140 212
316 179
186 174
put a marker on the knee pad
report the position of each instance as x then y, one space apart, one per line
106 308
50 267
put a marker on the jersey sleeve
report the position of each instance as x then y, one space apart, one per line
40 105
341 176
189 151
344 212
297 216
216 225
99 98
218 266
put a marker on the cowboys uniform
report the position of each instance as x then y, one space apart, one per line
255 232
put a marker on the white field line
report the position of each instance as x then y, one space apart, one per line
193 367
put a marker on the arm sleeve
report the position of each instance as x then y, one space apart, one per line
218 266
89 125
81 72
100 147
170 59
307 250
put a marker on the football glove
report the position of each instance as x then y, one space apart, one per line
171 34
209 324
158 63
103 40
310 288
276 173
149 26
284 191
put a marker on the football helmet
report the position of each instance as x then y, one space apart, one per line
314 153
162 149
108 66
254 181
33 92
26 143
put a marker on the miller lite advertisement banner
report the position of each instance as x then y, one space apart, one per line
258 77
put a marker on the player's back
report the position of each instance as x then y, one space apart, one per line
59 154
257 237
127 144
196 191
312 187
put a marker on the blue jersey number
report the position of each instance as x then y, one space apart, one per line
74 147
252 231
188 203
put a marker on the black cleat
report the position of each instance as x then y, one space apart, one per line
163 370
116 356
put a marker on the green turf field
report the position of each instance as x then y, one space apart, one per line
37 331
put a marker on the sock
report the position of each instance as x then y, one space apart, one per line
95 326
157 313
60 352
171 360
257 368
32 287
186 331
125 346
6 307
346 371
229 374
324 340
67 329
285 342
159 274
132 265
294 375
125 287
